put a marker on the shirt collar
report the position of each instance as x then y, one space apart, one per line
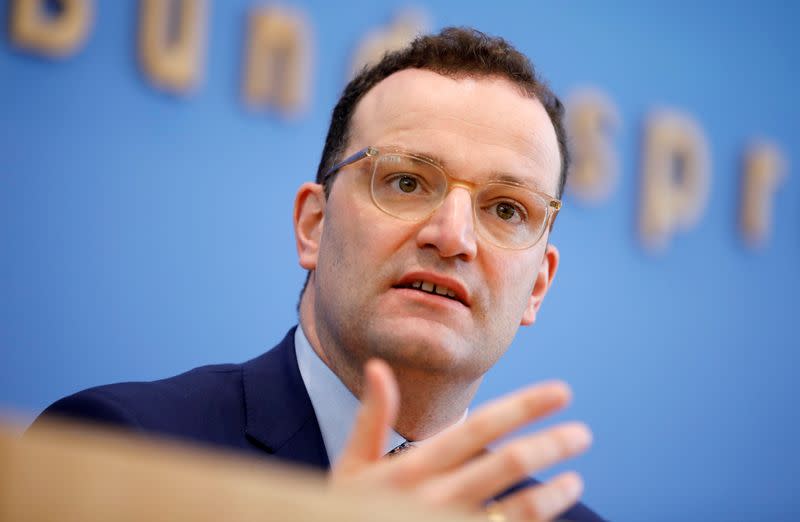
334 405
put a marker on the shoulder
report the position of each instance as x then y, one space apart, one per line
207 404
167 405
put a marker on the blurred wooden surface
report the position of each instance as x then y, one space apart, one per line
69 473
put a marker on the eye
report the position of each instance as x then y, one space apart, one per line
407 184
505 211
509 212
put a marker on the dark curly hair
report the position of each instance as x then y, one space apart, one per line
455 52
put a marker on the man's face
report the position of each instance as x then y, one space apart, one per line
478 129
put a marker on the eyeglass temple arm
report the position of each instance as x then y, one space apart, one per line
366 151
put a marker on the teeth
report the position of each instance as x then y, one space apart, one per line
433 289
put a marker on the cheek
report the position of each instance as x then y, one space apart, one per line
377 235
511 283
359 240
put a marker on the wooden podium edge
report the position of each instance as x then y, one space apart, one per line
68 472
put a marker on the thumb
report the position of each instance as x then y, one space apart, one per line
378 411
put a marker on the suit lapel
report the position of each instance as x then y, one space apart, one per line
279 414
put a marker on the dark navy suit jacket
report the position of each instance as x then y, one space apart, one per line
261 407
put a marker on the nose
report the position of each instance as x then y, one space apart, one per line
451 228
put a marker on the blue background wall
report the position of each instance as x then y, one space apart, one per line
143 234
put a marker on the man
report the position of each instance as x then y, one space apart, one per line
426 242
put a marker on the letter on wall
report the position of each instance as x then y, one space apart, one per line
590 119
278 56
171 50
675 177
406 25
764 167
51 34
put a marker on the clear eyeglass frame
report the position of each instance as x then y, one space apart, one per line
548 204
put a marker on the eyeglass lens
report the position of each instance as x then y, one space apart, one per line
411 188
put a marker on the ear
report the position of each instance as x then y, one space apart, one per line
309 216
544 278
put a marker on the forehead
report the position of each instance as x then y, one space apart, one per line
476 127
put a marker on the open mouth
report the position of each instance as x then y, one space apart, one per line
431 288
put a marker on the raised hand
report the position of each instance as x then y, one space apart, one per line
454 469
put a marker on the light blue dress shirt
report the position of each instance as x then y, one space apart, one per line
333 403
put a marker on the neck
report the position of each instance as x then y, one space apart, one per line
428 405
429 402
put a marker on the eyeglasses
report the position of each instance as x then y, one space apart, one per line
411 187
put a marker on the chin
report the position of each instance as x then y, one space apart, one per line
421 343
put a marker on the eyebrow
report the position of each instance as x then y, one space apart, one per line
505 177
516 180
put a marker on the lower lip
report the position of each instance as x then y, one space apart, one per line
429 299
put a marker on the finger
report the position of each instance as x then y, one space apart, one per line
495 472
378 411
543 502
497 419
